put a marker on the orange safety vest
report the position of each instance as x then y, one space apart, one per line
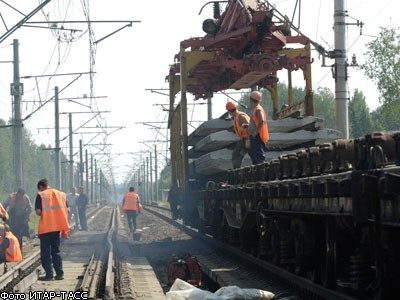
54 211
13 252
264 135
131 202
241 132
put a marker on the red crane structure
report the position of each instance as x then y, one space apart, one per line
244 47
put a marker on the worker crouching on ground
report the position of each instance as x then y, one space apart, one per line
132 207
258 129
10 250
51 206
240 125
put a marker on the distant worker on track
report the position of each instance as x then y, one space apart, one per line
51 206
19 207
258 129
132 207
10 250
81 203
240 125
73 209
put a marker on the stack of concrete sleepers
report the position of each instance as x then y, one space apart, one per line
212 142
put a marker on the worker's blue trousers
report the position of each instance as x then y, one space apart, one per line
257 150
50 253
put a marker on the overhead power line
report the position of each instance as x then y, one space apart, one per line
23 20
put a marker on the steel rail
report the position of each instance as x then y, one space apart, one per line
294 280
22 275
110 275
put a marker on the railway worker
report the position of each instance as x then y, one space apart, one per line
51 206
81 203
73 209
240 126
258 129
132 207
9 245
19 207
3 214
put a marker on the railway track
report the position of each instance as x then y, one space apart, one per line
98 264
87 257
256 272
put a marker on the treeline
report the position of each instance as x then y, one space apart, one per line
382 66
361 119
37 163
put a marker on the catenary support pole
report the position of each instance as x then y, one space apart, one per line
87 172
156 171
81 168
57 148
96 181
341 92
71 153
91 179
16 92
151 177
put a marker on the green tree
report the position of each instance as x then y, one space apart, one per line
324 102
385 117
382 64
324 106
298 95
6 161
359 115
376 120
36 163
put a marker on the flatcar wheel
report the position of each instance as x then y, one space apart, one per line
385 291
328 265
223 229
315 275
261 220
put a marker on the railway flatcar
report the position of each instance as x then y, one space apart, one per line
329 213
326 211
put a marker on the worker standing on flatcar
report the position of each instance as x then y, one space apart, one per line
132 207
258 129
240 125
10 250
51 206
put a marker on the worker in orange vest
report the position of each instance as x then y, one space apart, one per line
9 245
132 207
258 129
240 125
51 206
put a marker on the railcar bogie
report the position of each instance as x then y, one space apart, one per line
329 213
